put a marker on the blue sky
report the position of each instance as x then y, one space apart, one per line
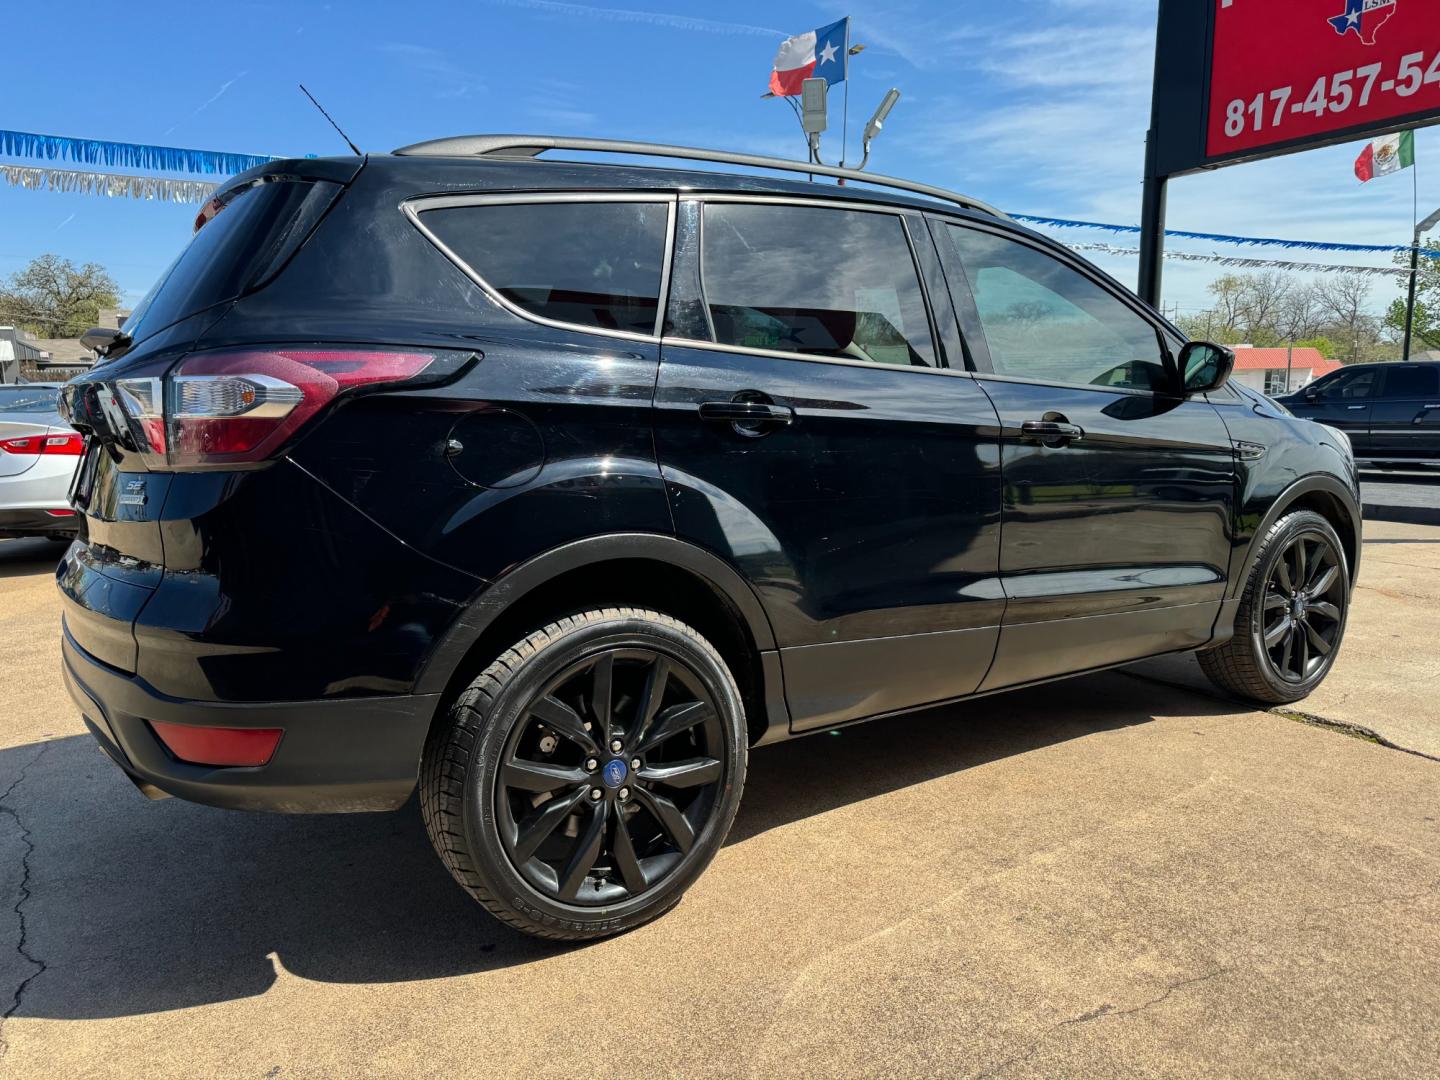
1038 106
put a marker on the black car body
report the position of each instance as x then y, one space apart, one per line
869 446
1389 411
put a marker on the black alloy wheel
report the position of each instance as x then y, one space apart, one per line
611 773
1290 620
1304 607
586 778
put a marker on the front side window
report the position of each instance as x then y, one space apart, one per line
1350 385
1045 321
814 281
591 264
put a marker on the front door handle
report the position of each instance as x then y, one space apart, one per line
1353 407
745 412
1051 432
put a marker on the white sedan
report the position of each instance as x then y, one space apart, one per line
38 455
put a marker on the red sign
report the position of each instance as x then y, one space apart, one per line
1293 69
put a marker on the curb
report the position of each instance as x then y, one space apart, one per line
1404 515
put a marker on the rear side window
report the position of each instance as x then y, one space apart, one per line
1046 321
239 249
591 264
1412 382
814 281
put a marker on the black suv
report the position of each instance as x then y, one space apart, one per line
1390 412
557 486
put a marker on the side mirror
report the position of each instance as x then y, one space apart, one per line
1204 366
1311 394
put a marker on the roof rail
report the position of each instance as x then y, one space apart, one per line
529 146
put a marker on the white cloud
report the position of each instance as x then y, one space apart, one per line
447 77
652 18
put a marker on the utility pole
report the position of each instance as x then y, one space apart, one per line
1420 230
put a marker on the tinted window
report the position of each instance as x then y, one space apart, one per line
1408 382
814 281
237 250
1351 384
1043 320
593 264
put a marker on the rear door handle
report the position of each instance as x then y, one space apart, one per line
743 412
1051 432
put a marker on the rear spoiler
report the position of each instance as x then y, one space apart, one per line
335 170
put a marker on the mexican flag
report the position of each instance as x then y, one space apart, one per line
1385 156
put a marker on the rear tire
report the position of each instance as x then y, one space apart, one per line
1291 618
547 826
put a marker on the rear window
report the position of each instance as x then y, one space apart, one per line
241 248
40 399
589 264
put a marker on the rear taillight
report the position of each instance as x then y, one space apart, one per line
229 408
32 445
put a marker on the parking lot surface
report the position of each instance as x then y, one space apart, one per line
1103 877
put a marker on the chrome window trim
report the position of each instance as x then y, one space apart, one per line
898 212
413 208
806 358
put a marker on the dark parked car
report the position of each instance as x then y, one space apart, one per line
557 486
1390 412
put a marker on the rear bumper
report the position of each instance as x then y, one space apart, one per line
335 756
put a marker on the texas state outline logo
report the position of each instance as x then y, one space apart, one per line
1365 17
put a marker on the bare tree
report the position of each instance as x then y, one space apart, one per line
1344 298
1262 298
1301 314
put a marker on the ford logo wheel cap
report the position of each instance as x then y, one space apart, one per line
614 773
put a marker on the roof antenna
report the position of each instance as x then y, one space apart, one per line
331 119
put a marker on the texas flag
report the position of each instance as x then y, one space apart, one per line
819 54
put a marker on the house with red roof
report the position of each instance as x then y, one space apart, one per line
1280 371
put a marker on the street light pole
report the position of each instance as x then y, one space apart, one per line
1420 230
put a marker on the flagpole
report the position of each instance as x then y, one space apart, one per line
845 122
1414 257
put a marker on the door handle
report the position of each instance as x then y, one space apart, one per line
745 412
1354 406
1051 432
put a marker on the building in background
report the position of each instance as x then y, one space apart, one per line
24 356
1266 369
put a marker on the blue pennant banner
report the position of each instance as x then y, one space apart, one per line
24 144
1222 238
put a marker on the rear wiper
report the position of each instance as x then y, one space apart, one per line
107 341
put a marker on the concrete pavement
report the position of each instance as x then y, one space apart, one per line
1106 877
1388 674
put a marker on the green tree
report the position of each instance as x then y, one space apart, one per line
1427 304
54 298
1323 345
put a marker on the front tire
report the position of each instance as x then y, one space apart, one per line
1291 618
540 817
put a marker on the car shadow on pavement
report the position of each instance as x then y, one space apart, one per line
137 906
26 556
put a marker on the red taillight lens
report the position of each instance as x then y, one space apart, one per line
25 444
61 513
72 444
44 444
227 408
199 745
